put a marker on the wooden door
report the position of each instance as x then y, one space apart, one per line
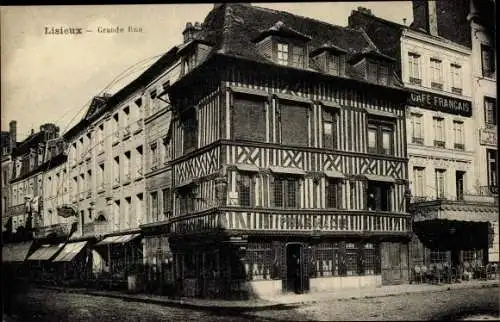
391 262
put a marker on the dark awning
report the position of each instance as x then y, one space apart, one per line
45 252
16 252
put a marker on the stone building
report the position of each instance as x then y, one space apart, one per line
442 128
8 143
288 158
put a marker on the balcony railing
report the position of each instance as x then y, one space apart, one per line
491 191
438 86
415 81
417 140
439 144
459 146
456 90
126 131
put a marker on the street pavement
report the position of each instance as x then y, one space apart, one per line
480 301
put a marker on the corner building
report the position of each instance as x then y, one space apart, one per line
289 158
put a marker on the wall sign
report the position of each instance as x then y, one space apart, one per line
440 103
487 137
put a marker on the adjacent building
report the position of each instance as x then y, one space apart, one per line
289 158
8 143
452 212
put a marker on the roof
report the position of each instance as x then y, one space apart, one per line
233 28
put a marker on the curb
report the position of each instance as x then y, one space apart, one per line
270 306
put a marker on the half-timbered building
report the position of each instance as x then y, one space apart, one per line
288 158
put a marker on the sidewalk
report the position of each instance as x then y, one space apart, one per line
281 302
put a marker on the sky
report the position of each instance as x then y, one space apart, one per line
52 78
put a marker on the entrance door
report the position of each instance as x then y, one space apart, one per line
394 262
294 268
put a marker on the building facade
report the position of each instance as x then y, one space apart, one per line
289 158
442 127
8 144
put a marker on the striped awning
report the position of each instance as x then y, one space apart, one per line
70 251
118 239
373 177
45 252
16 252
247 167
287 170
334 174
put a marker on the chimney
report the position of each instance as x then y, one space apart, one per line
13 134
191 31
433 30
365 11
404 21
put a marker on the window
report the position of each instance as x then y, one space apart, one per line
249 118
285 192
294 124
369 259
329 130
456 78
165 149
380 137
116 170
154 155
488 61
439 132
414 69
298 56
154 206
138 160
333 193
458 132
377 73
126 114
89 181
418 182
167 207
438 256
490 111
190 125
326 260
282 54
436 74
491 158
351 259
100 177
334 64
126 165
128 211
100 138
186 197
379 196
417 136
459 184
116 122
260 260
245 190
189 61
138 208
440 183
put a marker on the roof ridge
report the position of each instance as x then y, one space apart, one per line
379 18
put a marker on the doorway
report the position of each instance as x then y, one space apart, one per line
294 271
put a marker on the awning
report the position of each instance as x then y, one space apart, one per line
334 174
45 252
330 104
373 177
287 170
380 113
70 251
15 252
184 184
118 239
247 167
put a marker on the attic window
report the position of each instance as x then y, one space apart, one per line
334 64
285 51
377 73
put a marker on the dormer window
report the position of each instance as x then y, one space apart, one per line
329 59
193 53
283 45
378 73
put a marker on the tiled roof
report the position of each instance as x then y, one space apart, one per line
233 29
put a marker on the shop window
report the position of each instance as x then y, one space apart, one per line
326 260
259 261
379 196
438 256
369 259
286 192
351 259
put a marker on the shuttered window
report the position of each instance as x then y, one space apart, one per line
249 118
294 124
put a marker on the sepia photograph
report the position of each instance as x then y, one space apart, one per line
237 161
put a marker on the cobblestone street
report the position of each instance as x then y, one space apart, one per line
48 305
